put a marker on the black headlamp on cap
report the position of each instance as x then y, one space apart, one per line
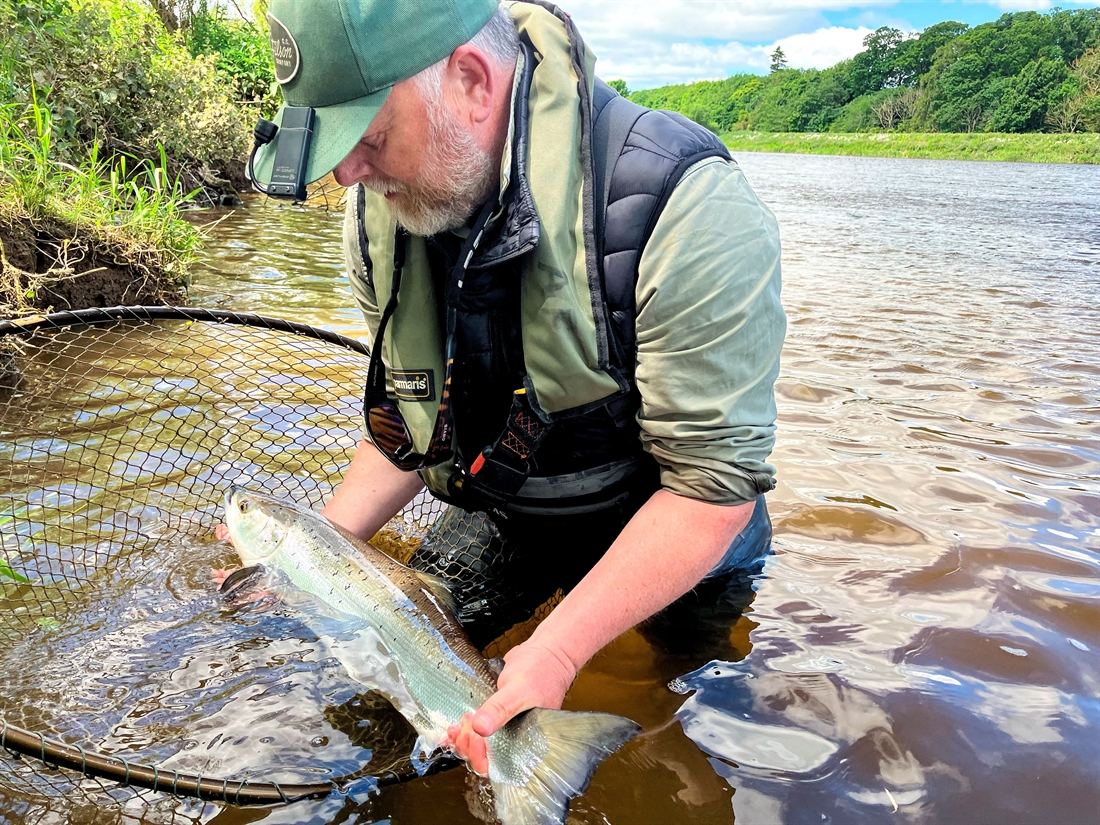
336 61
288 171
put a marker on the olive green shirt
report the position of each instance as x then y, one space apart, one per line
710 329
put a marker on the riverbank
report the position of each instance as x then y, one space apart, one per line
94 234
114 116
1029 148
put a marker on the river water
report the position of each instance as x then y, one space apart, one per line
924 645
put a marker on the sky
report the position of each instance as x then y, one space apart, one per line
651 43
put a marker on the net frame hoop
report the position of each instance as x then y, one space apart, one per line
148 314
55 754
60 755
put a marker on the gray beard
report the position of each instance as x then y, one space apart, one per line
457 178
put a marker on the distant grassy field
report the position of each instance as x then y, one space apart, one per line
1031 148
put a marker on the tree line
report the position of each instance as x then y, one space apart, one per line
1025 72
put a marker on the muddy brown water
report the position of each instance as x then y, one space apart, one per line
924 645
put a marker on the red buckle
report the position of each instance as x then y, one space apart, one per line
479 462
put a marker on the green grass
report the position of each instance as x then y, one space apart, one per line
8 573
1032 148
136 201
128 209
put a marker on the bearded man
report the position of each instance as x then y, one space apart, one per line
575 321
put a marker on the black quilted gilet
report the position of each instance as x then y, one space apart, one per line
659 148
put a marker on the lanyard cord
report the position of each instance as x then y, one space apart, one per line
400 245
454 287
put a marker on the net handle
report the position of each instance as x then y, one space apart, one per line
96 315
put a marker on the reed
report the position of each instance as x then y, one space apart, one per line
119 209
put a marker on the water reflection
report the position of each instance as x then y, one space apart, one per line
922 645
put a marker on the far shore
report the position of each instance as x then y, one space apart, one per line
1028 148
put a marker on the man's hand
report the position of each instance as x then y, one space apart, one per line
534 676
647 567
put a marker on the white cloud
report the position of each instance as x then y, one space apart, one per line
1022 5
685 62
1033 5
822 48
725 20
655 42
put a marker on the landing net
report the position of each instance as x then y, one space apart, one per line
124 671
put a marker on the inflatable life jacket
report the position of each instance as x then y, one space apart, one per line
544 399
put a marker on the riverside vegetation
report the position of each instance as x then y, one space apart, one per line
115 115
1023 74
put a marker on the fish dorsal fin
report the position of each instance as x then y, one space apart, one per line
440 591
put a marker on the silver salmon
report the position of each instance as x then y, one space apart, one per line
424 663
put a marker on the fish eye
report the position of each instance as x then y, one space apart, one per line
243 506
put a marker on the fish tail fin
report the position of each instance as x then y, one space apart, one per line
575 743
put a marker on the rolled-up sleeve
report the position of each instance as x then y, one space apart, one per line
710 329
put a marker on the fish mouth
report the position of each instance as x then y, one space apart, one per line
233 491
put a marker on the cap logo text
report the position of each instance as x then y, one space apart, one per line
284 49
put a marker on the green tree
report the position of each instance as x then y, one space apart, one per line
964 87
857 116
619 86
241 51
113 77
1027 97
1076 31
1010 74
878 66
916 58
1076 106
779 60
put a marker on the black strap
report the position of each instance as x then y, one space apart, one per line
504 466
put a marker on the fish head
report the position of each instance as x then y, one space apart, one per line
257 523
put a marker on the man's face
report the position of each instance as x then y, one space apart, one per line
418 154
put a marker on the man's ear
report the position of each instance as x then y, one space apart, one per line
472 84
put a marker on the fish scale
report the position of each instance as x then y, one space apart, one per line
347 586
425 664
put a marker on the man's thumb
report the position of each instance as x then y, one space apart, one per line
497 710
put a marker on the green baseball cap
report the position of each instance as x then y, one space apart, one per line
342 57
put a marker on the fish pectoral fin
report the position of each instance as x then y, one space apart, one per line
426 746
496 664
440 591
238 577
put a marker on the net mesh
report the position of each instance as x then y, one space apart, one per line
119 433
